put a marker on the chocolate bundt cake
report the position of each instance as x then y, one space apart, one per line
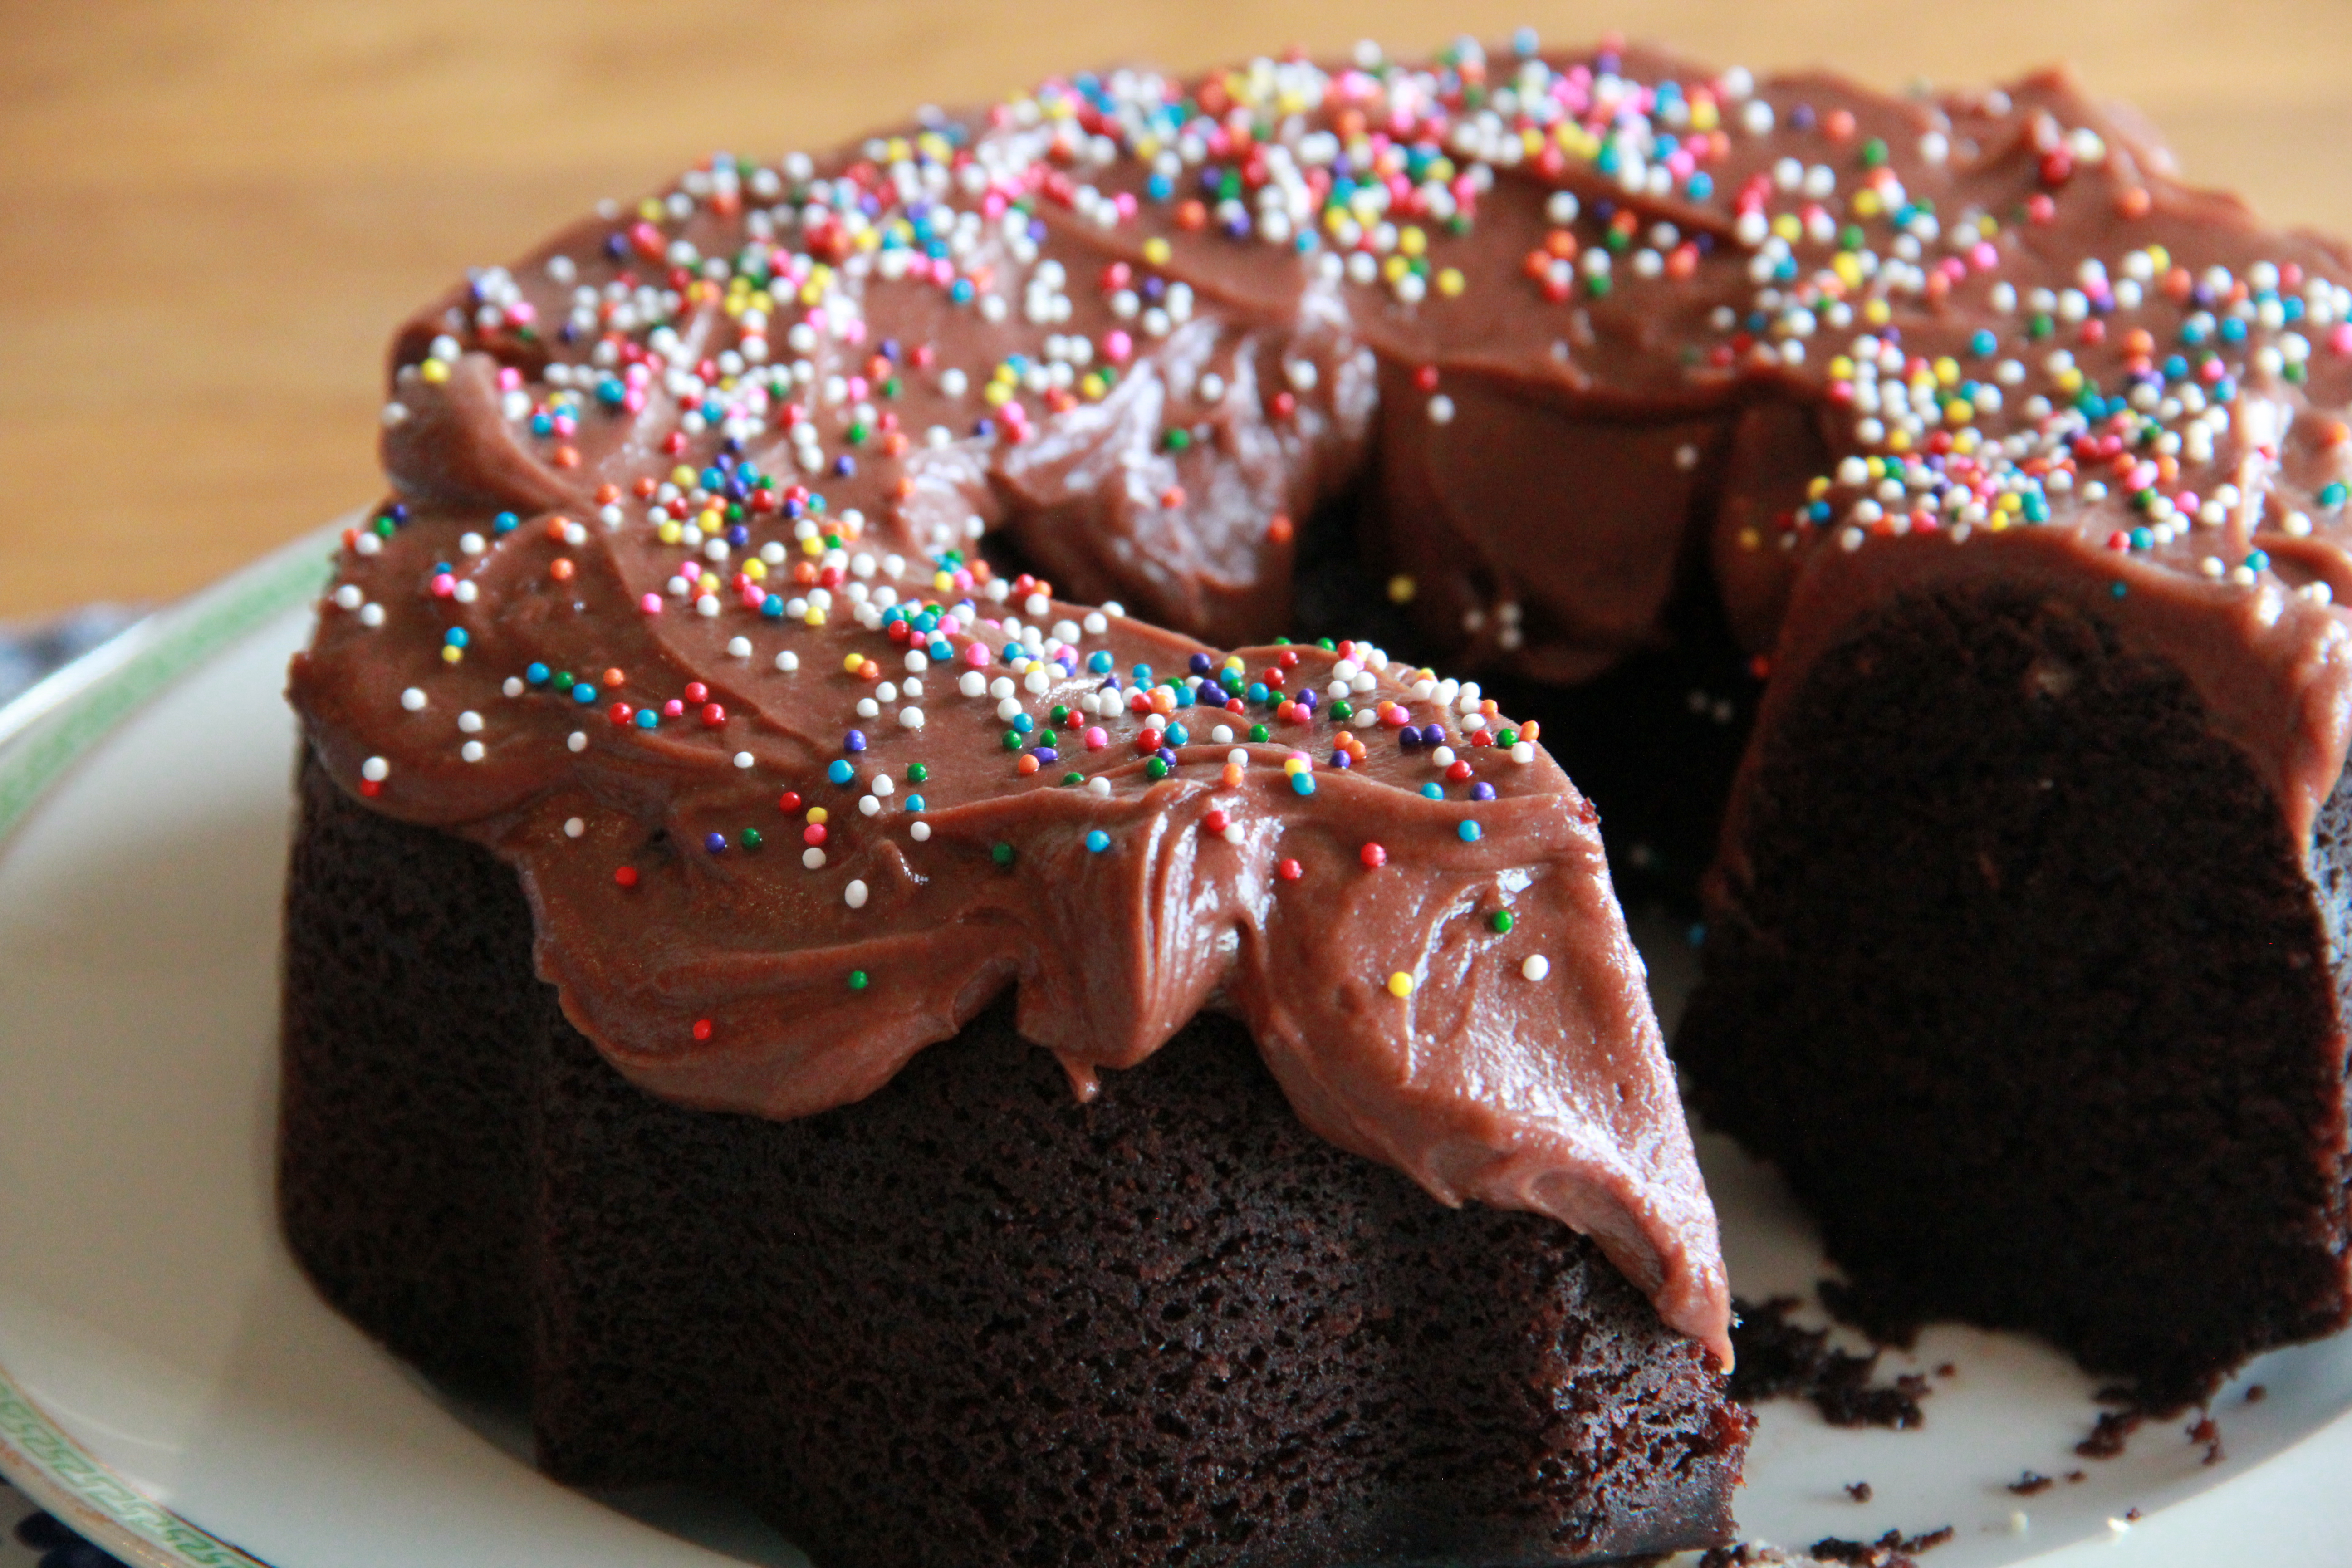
731 615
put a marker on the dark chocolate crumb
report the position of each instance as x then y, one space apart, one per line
1947 1370
2031 1483
2110 1433
2131 1516
1776 1359
2256 1394
2208 1431
1892 1550
1858 1490
2073 1477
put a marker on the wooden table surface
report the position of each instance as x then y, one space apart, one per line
216 212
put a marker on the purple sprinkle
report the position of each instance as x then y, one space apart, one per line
1046 754
1168 756
715 842
1482 790
1409 739
1433 735
853 741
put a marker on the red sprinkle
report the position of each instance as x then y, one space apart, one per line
702 1028
1290 871
1214 821
789 801
626 876
1374 856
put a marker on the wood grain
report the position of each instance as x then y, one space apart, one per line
215 213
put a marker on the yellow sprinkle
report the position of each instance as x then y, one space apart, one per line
1817 487
1865 203
1449 281
1877 313
682 476
816 617
944 581
669 532
1948 371
708 583
1841 369
1412 241
1750 539
817 814
1400 983
450 654
1703 115
1156 251
1394 268
1788 227
756 570
1898 441
1402 588
650 209
850 665
1959 411
1093 385
1298 765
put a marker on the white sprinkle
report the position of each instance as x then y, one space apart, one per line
854 895
1523 751
374 770
1441 410
371 614
813 857
574 826
395 416
743 759
707 606
511 686
918 661
1222 735
2117 1526
1238 756
413 698
973 684
870 709
1233 833
1536 967
788 661
2018 1522
920 832
348 597
470 722
472 750
578 741
911 718
739 647
1442 757
868 807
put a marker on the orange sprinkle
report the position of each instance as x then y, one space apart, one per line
560 569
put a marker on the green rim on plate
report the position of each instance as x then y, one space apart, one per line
46 732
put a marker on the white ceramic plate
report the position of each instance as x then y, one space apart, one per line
169 1383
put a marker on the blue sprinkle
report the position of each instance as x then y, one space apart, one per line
942 648
455 637
840 772
505 522
1433 792
1303 783
772 607
1470 831
1098 663
1023 723
647 718
583 692
1177 734
914 803
1097 841
536 674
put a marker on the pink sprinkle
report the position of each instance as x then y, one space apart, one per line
510 378
857 389
1117 346
2340 338
976 655
1095 739
651 603
1984 255
444 586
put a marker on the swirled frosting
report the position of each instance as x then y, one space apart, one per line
676 604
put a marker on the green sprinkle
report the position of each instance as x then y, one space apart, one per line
1258 731
1503 922
857 980
1073 777
1012 740
1176 440
1060 715
1507 737
1157 768
1873 153
1001 853
917 772
750 837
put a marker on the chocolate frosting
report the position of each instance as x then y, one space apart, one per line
685 505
